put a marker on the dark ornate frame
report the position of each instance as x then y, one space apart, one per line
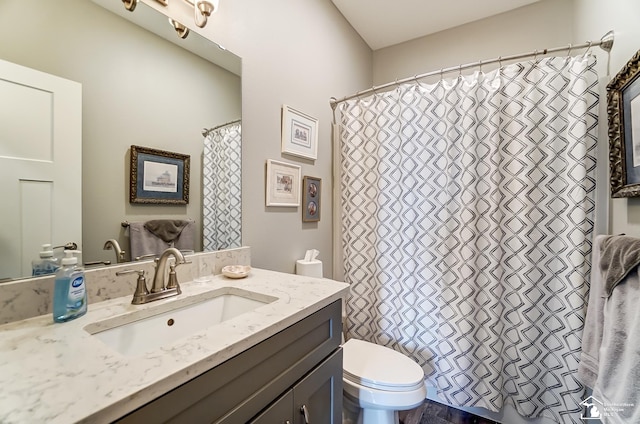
625 178
137 193
312 191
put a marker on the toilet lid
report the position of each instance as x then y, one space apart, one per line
380 367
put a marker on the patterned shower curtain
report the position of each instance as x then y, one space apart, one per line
222 188
467 220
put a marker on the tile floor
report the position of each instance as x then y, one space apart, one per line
436 413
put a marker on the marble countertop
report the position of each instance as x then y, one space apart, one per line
59 373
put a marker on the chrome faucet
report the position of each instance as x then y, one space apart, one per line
159 290
113 244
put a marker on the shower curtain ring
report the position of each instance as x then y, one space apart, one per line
535 55
500 61
569 52
480 66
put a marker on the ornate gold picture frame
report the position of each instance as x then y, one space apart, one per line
158 177
623 111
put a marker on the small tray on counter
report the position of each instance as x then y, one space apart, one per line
236 271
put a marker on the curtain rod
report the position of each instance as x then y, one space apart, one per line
605 43
205 132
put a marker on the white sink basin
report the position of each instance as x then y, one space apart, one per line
152 328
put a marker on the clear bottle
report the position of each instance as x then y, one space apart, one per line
47 264
70 294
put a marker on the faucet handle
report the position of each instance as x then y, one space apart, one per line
173 278
141 288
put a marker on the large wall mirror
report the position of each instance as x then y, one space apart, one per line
142 86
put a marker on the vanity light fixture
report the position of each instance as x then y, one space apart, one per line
130 5
181 30
202 9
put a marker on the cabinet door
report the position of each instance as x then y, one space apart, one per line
280 412
318 396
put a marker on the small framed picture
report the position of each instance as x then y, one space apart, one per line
311 191
158 177
623 108
299 133
283 184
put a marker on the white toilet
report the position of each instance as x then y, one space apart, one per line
378 382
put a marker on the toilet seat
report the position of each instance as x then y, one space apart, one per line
379 367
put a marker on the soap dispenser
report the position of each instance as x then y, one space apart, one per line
47 264
70 294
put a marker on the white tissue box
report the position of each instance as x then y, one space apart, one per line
309 268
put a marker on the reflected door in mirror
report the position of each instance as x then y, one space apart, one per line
40 165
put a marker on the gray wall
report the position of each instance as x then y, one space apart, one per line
303 53
547 23
299 53
591 19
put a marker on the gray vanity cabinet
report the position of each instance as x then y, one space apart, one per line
311 400
268 383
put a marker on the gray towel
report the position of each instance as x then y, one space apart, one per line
187 238
144 242
166 229
610 357
619 255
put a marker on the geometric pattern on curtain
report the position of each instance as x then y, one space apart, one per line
467 222
222 188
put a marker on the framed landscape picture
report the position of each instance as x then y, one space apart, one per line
158 177
299 133
283 184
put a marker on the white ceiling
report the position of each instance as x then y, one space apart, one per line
383 23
